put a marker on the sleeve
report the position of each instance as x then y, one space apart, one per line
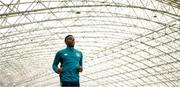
56 62
81 60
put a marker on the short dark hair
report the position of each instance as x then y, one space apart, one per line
67 37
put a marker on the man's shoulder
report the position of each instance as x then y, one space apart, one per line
61 51
77 50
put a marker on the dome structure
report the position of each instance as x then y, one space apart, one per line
125 43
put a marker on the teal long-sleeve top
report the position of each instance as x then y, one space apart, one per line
70 58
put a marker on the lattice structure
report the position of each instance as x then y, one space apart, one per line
175 3
126 43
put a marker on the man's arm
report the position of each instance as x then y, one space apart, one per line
80 67
56 62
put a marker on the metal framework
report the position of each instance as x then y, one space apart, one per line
126 43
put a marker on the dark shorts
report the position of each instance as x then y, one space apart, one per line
70 84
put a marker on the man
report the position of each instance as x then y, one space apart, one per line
71 64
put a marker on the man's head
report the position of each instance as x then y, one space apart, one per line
69 40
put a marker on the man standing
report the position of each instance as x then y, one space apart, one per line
71 64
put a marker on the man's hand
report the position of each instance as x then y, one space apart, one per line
59 70
80 69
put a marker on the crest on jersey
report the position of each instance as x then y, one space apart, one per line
78 55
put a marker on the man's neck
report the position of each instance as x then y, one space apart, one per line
70 48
